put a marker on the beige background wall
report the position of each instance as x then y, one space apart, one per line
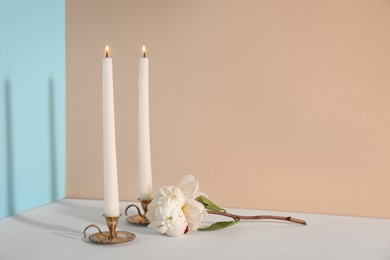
272 104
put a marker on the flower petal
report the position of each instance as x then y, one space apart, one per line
178 225
194 212
189 185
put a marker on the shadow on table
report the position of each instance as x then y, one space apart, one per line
58 230
69 235
94 215
87 213
48 226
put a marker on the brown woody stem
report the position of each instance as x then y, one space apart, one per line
236 217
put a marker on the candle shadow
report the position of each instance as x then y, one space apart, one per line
68 210
90 214
46 225
52 141
9 148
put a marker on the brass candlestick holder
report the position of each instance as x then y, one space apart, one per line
139 219
111 236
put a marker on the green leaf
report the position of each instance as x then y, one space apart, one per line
219 225
208 204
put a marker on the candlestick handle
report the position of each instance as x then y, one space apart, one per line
135 206
139 219
92 225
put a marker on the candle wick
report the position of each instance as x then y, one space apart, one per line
144 54
106 54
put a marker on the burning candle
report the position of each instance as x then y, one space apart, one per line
144 159
111 197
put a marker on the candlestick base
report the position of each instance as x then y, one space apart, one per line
103 237
139 219
112 236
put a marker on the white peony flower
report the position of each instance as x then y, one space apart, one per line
165 211
174 210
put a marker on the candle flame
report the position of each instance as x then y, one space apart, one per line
107 50
143 51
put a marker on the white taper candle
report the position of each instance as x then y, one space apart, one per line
144 158
111 197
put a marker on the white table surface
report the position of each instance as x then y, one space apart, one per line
55 231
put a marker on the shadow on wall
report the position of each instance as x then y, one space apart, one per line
12 205
52 141
9 148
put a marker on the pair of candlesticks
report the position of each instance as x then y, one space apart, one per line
112 236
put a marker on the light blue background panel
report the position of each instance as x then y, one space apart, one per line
32 104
